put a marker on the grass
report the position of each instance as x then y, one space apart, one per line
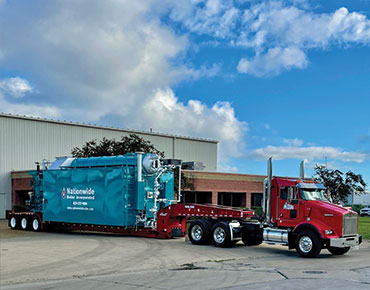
364 227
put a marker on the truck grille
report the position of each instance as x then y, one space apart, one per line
349 225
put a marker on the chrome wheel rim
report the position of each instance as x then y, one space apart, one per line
35 224
305 244
13 222
24 223
196 232
219 235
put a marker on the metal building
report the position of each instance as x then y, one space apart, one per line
25 140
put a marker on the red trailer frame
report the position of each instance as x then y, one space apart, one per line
171 220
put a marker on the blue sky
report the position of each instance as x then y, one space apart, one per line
288 79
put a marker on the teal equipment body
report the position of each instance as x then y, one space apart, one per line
126 190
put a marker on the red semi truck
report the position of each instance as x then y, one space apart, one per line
296 213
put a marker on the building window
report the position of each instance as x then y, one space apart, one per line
235 199
256 199
200 197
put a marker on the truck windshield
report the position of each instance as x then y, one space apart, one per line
312 194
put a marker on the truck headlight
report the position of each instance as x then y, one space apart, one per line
328 232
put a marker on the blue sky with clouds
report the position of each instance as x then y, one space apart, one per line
288 79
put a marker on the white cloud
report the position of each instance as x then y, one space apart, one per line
217 18
43 111
194 118
273 61
15 87
35 110
293 142
275 34
114 59
281 34
307 153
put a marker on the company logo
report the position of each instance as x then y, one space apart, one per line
64 193
76 193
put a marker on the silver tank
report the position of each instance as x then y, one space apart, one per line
275 235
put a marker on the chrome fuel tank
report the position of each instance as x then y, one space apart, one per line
275 235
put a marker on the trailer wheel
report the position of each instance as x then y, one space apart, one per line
36 224
200 232
221 236
308 244
338 251
13 223
24 223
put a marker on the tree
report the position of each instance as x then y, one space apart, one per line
339 185
127 144
111 147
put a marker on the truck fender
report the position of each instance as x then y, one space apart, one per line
303 226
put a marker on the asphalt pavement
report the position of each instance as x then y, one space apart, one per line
65 260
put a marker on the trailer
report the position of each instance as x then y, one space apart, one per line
134 195
130 195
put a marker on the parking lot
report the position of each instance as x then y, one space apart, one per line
56 260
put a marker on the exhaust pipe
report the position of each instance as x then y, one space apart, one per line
139 167
301 170
267 191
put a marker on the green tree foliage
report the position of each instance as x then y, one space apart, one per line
111 147
339 185
127 144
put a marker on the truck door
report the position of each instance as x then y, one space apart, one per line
288 206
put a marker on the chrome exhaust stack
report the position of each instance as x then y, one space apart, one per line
266 207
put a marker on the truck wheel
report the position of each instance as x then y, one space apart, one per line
221 236
308 244
200 232
13 223
338 251
24 223
36 224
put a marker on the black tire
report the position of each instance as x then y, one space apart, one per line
308 244
338 251
250 239
24 223
200 232
35 224
221 236
14 222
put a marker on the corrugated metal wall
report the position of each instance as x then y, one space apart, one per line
26 140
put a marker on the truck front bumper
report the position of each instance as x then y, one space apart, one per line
345 242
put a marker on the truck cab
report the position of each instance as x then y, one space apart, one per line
299 206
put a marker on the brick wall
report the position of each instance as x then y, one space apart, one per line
226 182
